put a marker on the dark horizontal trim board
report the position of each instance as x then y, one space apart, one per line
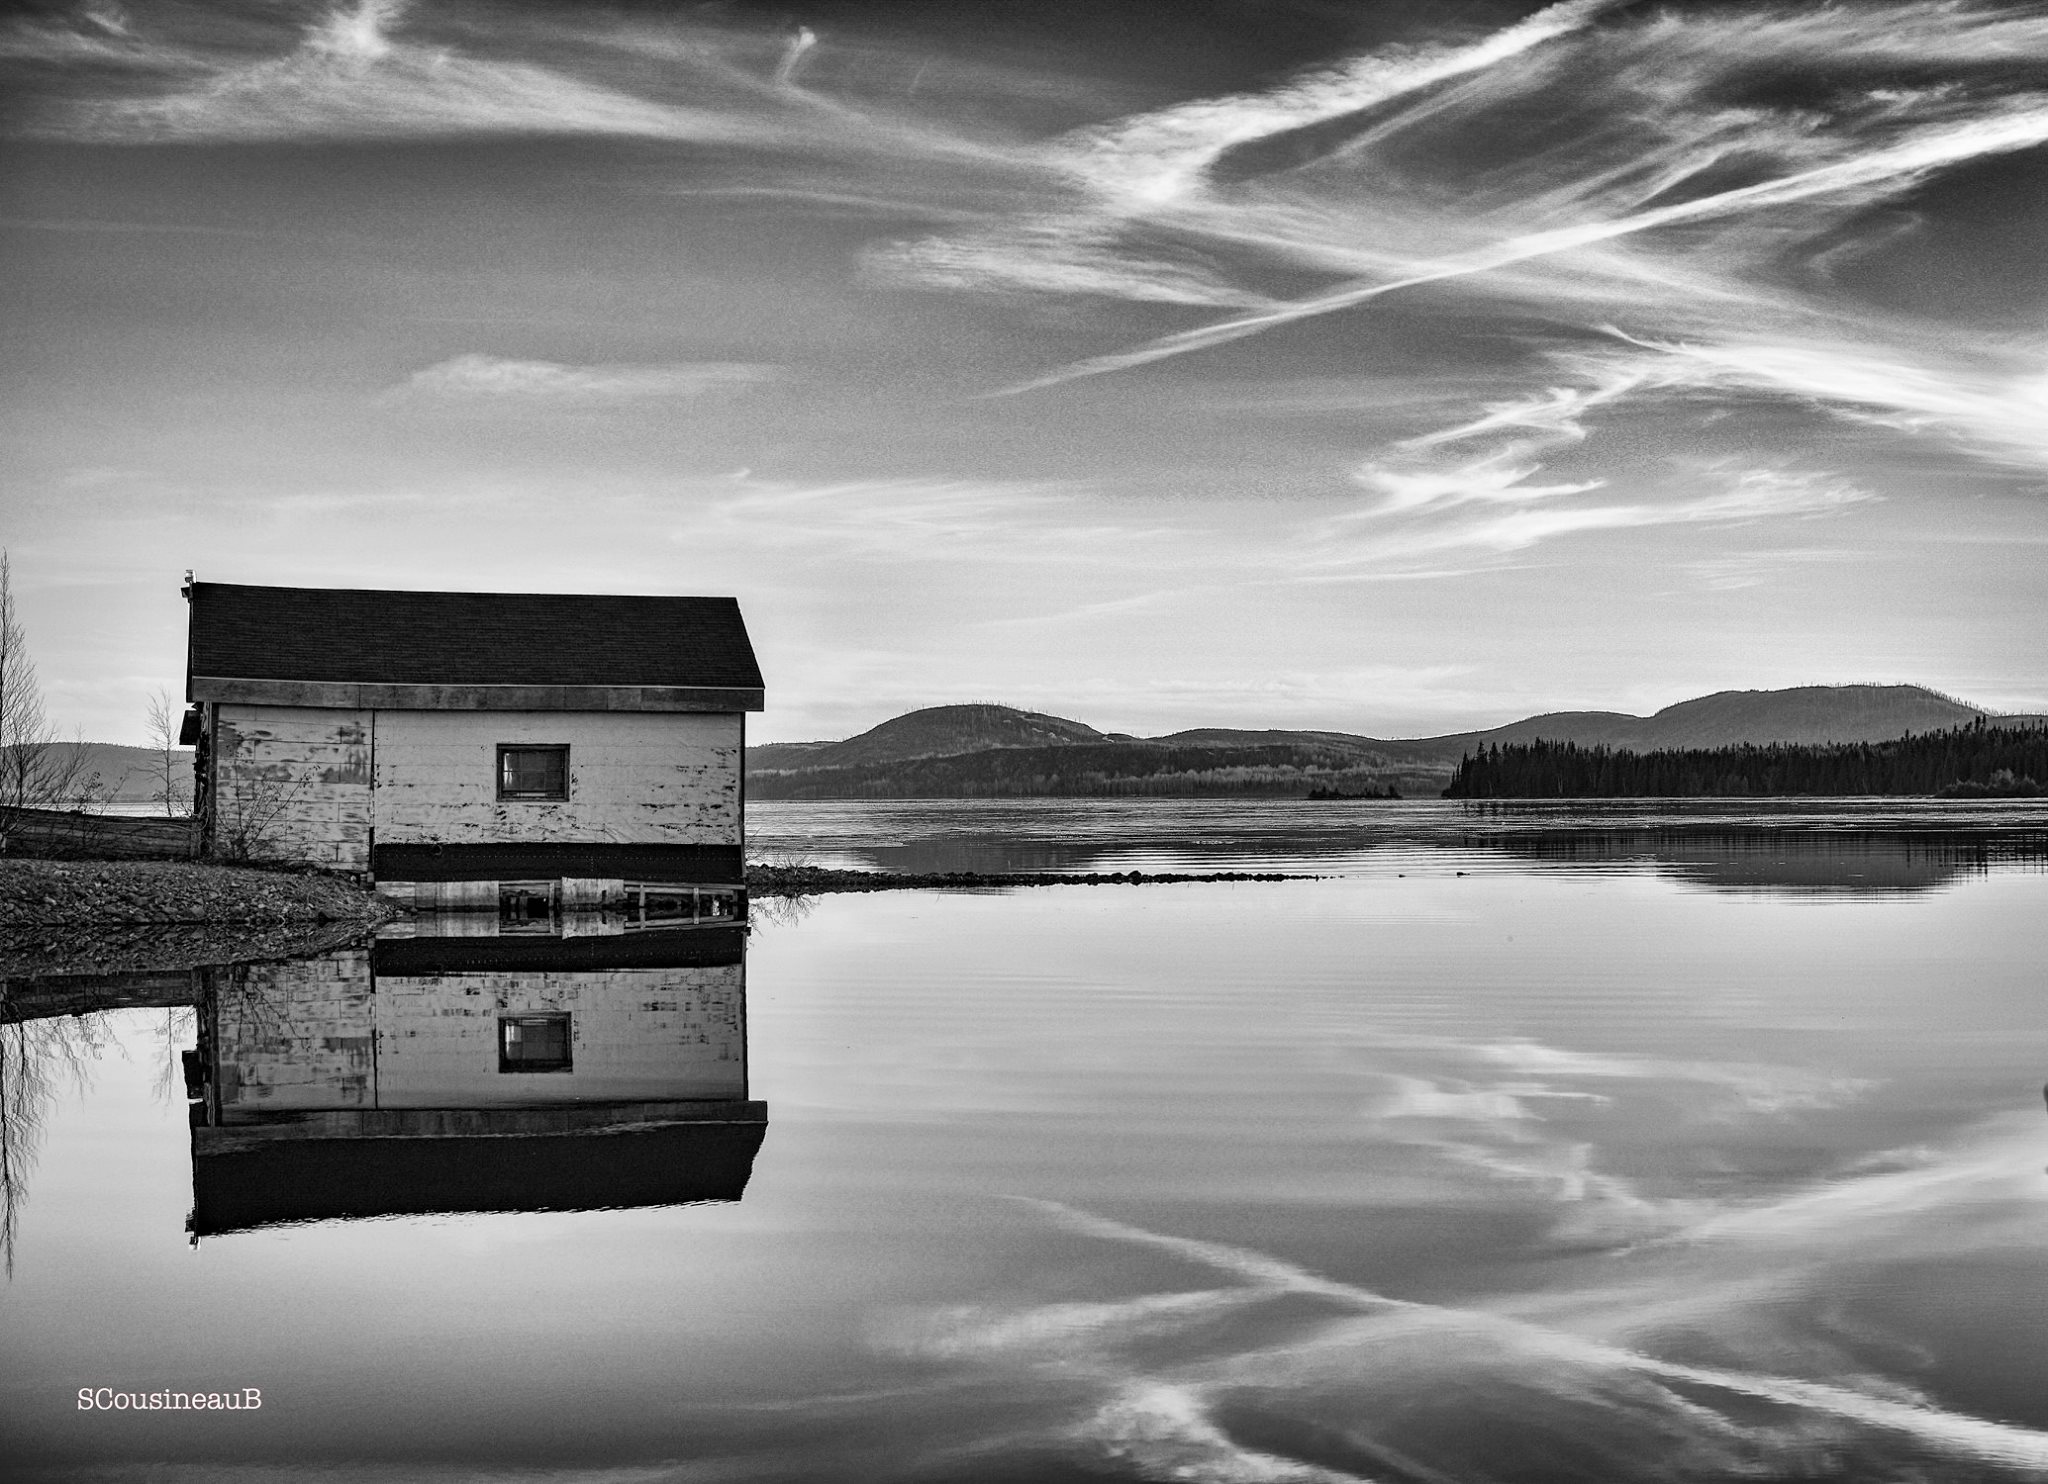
703 865
326 1179
246 1130
656 948
350 695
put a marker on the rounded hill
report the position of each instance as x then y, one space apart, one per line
943 731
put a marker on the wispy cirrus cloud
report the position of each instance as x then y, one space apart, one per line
1742 497
1744 569
395 70
1159 158
1991 399
1692 201
384 69
476 380
1864 175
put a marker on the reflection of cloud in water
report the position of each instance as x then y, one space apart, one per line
1496 1107
1677 1362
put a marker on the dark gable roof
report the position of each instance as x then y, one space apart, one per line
368 636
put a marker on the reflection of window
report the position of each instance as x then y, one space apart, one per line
526 906
533 772
533 1043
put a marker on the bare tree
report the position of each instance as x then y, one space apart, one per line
174 784
36 770
251 803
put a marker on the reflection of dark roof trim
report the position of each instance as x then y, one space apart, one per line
663 948
455 649
320 1169
590 860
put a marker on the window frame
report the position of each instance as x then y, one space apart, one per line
528 796
512 1064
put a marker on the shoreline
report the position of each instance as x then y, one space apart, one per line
114 917
39 893
804 881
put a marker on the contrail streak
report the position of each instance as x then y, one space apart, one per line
1930 150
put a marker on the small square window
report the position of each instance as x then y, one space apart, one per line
533 772
533 1043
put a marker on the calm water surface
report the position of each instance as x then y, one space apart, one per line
1606 1146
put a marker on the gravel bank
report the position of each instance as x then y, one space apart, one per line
89 894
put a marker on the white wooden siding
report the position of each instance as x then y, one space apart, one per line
311 784
634 778
293 783
310 1035
635 1034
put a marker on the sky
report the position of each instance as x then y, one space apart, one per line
1392 368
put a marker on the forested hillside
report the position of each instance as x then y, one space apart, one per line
990 751
1109 770
1975 761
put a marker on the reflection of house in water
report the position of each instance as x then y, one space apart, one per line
487 1068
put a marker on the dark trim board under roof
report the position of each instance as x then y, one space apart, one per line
364 647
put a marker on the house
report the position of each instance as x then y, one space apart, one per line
507 751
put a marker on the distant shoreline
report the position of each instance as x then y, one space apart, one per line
803 881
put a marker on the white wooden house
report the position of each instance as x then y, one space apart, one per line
571 747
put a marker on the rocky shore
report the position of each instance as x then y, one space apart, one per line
63 893
105 917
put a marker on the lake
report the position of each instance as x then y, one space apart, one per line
1576 1142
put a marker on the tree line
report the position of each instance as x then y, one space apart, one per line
1102 770
1975 761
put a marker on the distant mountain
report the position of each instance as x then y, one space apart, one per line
936 731
1804 714
133 774
1001 752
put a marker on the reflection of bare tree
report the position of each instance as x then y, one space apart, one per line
179 1026
779 910
772 899
36 1058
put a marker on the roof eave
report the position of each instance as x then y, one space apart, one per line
350 695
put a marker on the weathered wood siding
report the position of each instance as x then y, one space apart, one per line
293 783
652 1034
670 778
295 1035
72 834
319 1034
